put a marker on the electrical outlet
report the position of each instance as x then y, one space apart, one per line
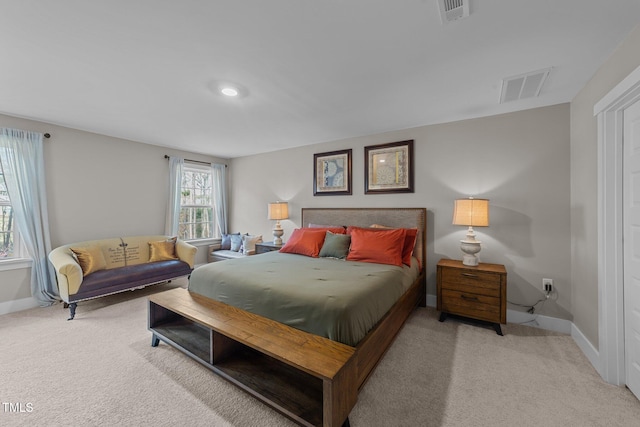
547 285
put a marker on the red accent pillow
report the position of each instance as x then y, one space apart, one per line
331 228
411 234
382 246
304 241
353 227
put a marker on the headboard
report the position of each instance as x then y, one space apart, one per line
365 217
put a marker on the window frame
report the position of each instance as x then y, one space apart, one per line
20 258
190 168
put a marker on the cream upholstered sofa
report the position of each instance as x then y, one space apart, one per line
96 268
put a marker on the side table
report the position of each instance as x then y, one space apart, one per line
478 293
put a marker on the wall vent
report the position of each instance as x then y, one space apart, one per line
451 10
523 86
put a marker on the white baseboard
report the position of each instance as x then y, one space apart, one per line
539 321
432 300
551 324
587 348
17 305
536 320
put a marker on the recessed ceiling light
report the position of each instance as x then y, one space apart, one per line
229 91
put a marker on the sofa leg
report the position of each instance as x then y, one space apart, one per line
65 305
72 310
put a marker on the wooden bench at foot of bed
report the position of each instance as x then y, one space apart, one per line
308 378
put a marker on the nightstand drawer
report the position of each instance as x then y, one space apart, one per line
471 305
477 282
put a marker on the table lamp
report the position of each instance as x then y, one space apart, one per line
472 213
278 211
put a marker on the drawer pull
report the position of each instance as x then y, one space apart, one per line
467 298
470 275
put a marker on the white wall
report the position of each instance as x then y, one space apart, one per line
15 285
584 184
97 187
520 161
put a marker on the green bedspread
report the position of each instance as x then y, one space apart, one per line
337 299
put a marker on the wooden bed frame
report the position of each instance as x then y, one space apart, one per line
310 379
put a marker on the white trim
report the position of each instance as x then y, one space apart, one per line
617 93
15 263
432 300
536 320
539 321
204 242
553 324
17 305
610 296
610 111
587 348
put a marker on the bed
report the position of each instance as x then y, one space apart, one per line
307 335
308 293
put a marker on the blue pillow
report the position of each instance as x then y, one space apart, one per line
236 242
226 241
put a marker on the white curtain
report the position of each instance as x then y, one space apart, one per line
219 175
176 165
22 161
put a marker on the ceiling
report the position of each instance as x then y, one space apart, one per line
312 71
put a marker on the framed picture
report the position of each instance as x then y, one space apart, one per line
332 173
388 168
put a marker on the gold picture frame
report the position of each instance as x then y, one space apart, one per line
388 168
332 173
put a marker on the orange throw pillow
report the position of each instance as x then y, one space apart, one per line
331 228
382 246
411 234
305 241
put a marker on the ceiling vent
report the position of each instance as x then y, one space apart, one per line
452 10
523 86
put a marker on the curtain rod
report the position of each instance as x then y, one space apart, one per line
193 161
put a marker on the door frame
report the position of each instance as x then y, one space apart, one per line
609 111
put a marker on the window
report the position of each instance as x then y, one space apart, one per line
197 218
9 237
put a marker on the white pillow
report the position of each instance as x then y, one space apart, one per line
249 244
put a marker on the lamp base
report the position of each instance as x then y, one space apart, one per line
277 235
470 260
470 248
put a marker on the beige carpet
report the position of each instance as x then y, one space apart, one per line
100 369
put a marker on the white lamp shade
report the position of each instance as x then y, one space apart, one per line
471 212
278 210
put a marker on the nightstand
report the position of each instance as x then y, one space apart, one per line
265 247
478 293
